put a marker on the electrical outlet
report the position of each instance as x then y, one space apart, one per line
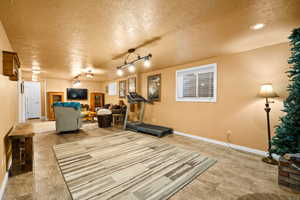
228 135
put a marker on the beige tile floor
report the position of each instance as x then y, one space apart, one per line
236 175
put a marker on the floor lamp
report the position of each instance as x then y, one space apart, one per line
267 92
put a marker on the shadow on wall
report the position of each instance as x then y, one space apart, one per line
258 115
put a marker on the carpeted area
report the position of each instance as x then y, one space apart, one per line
127 165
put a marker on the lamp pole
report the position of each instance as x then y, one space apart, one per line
268 109
269 159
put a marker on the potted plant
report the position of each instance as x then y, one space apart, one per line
286 142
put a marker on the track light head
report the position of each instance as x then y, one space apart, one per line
76 83
147 62
131 67
120 72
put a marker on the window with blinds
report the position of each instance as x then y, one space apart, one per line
197 84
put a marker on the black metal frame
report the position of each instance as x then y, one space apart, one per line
132 52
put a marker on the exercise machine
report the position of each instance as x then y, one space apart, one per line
140 126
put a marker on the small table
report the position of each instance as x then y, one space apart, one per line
22 148
89 115
92 115
118 119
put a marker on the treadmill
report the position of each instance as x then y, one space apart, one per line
139 126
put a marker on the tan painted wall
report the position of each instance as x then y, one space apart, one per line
9 102
237 109
115 99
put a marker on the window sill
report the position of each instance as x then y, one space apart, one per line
209 100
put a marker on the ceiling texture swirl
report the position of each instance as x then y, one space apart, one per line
64 37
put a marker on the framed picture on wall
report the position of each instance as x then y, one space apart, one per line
112 89
122 89
154 87
132 84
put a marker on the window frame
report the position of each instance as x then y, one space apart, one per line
204 68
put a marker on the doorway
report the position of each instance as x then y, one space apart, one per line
32 97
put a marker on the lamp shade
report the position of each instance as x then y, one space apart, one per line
266 91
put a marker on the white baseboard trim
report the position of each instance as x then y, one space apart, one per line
234 146
4 182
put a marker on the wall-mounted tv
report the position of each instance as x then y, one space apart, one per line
77 94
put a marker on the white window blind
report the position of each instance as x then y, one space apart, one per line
206 84
197 84
189 85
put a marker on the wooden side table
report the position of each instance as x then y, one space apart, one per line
118 119
22 149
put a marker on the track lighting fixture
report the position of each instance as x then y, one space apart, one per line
88 74
130 64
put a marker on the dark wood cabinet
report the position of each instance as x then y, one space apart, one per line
53 97
22 149
11 65
96 100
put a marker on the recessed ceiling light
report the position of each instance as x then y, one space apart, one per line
35 63
36 68
34 77
257 26
36 71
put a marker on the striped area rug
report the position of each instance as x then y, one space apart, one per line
127 166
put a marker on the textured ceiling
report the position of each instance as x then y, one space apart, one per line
64 36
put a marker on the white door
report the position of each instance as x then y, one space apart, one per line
32 93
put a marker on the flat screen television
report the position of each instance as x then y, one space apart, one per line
77 94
